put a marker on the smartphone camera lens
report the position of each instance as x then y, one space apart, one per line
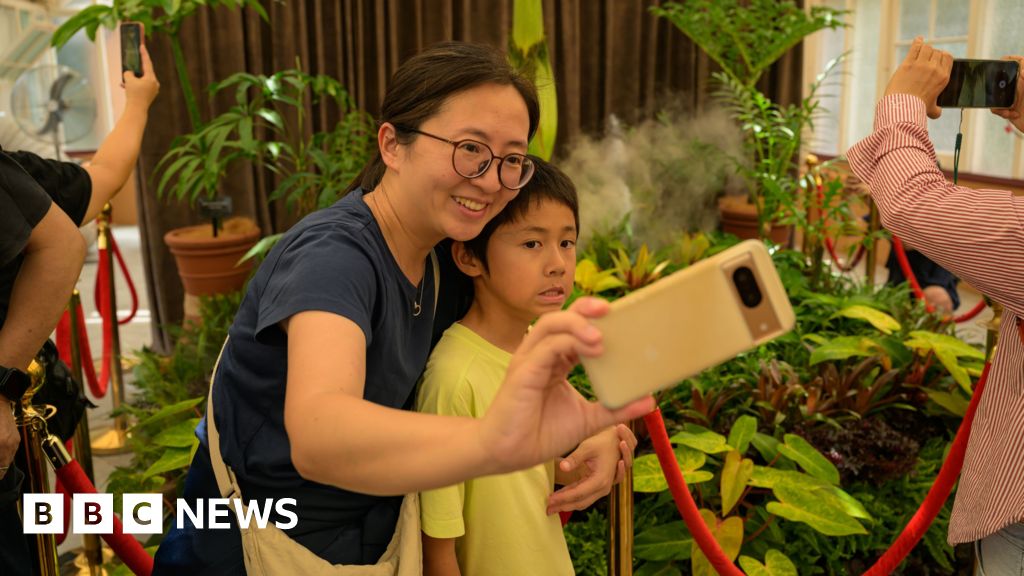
746 285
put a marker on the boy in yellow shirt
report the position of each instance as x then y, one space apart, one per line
522 265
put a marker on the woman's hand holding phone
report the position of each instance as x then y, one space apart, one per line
141 91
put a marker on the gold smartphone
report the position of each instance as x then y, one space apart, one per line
687 322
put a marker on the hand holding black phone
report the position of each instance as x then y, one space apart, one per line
981 84
131 44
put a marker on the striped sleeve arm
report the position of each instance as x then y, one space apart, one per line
976 234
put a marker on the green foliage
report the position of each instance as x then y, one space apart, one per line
528 51
891 505
880 320
158 16
773 137
671 541
729 535
746 38
744 492
796 439
648 477
268 126
588 541
776 564
948 350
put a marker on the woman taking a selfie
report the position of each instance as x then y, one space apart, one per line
311 392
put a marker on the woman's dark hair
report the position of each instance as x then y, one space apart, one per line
547 183
423 83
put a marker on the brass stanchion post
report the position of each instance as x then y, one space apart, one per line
32 425
992 327
93 555
874 225
113 441
620 525
813 177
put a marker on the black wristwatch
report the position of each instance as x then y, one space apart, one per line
13 383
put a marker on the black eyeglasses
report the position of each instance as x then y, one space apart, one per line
471 159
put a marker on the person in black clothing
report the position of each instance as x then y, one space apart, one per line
937 283
42 202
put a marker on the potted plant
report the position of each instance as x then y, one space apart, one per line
268 126
220 250
745 39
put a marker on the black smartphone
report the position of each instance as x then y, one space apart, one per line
981 84
131 43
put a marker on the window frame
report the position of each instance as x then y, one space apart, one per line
888 43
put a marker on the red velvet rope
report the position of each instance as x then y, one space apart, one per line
124 546
835 257
104 274
98 388
102 300
901 257
887 563
978 308
60 489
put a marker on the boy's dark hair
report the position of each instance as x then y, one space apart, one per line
547 183
422 84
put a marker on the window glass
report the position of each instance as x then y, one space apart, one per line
914 17
951 17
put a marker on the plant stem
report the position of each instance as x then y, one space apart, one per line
757 532
186 84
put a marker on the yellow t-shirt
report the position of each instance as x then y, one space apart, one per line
499 521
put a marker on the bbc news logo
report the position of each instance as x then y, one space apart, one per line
144 513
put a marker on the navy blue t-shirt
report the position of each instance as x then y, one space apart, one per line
334 260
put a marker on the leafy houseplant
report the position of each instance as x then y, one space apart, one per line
268 126
738 496
206 265
745 39
802 415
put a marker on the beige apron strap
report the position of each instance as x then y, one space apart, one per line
225 479
437 276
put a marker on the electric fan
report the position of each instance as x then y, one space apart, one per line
53 104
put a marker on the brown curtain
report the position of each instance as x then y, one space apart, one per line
609 56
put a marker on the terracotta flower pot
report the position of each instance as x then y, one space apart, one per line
739 218
209 265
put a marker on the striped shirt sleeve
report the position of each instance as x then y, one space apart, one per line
976 234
